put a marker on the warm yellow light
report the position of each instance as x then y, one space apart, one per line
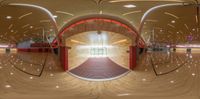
120 41
76 41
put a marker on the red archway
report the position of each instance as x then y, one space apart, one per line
127 28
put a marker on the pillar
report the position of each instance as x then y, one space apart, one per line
132 57
64 57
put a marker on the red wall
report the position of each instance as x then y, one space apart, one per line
132 57
64 57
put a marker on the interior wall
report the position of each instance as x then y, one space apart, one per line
119 52
78 52
117 47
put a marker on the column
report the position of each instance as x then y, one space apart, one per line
132 57
64 57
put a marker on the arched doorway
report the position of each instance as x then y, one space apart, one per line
99 26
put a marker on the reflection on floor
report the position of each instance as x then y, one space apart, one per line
98 69
139 84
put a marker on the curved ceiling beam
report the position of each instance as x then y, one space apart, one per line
153 9
35 6
85 20
42 9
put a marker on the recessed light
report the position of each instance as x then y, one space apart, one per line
172 81
31 77
51 74
31 27
101 12
8 17
193 74
57 87
143 79
129 6
193 29
7 86
11 73
173 21
55 16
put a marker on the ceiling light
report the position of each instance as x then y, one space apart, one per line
57 86
55 16
51 74
193 29
129 6
173 21
7 86
8 17
172 81
31 27
143 79
31 77
177 70
101 12
11 73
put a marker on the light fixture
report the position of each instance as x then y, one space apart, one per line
31 27
51 75
173 21
7 86
193 74
129 6
31 77
172 81
101 12
8 17
55 16
11 73
57 86
143 79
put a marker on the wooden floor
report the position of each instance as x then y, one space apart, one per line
143 83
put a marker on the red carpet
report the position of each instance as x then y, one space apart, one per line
98 68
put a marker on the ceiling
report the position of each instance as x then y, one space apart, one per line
158 21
